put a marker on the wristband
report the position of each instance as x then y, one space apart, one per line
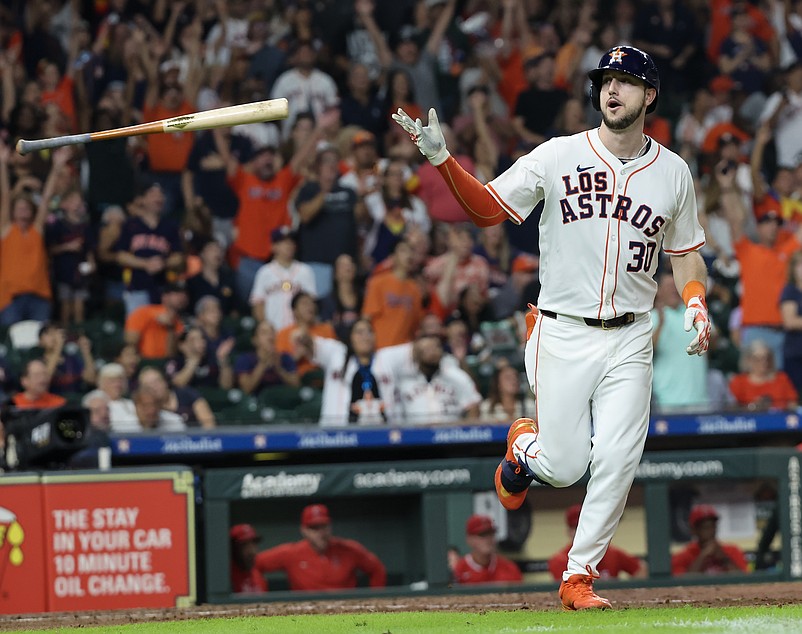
694 288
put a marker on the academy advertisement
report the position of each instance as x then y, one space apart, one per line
118 544
22 546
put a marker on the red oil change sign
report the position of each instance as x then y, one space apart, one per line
22 546
101 541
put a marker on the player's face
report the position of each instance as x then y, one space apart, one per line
245 554
622 100
317 536
482 545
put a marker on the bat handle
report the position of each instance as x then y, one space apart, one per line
34 145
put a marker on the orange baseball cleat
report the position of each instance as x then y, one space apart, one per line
577 594
512 480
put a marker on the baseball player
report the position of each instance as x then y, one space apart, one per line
321 561
612 198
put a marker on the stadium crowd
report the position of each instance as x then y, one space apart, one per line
274 271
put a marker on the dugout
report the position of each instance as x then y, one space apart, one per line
409 512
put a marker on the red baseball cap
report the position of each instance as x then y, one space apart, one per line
572 515
700 513
244 533
480 525
315 515
525 263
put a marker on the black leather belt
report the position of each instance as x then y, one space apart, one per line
604 324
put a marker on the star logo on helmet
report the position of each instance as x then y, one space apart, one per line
617 56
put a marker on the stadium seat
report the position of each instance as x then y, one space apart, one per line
246 412
24 334
313 378
309 410
106 336
283 397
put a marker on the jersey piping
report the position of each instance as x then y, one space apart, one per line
607 239
618 256
515 217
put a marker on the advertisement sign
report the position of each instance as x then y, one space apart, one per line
22 546
119 541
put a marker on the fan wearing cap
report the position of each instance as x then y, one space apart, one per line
705 554
483 564
263 192
277 282
614 562
245 576
321 561
763 262
363 169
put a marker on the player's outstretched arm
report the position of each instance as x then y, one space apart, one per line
481 207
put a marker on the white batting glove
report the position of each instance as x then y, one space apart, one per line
429 139
696 316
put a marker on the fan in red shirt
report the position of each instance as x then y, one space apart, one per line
482 564
321 561
706 555
614 562
245 576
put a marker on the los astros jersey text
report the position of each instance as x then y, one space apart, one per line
591 198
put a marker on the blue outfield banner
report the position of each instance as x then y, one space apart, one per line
262 440
278 439
734 423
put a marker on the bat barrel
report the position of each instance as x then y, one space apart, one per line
25 146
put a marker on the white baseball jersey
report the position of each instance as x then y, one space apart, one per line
275 285
617 217
442 400
338 384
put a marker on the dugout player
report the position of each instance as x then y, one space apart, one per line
612 198
706 554
245 576
614 562
483 564
321 561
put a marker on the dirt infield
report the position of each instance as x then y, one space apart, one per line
700 596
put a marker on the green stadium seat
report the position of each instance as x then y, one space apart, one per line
220 398
246 412
106 336
309 411
283 397
313 378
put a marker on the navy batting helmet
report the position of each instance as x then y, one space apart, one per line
629 60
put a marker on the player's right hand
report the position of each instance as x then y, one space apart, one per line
429 139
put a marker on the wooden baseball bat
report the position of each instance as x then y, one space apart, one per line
270 110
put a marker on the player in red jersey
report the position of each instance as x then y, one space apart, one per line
321 561
482 564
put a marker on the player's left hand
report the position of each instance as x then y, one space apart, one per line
429 139
696 316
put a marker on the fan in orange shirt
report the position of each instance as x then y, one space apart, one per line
35 382
762 386
297 338
263 192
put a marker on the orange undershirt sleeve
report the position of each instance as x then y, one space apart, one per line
481 207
